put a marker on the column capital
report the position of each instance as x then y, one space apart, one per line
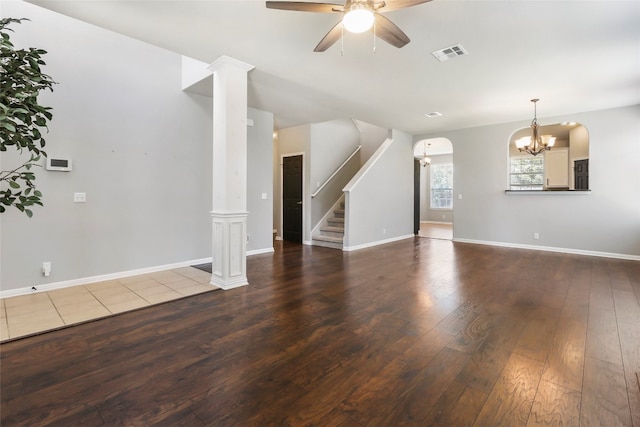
225 61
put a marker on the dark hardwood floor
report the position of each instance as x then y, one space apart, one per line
419 332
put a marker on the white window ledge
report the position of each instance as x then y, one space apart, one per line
547 192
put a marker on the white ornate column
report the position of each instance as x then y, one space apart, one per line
229 207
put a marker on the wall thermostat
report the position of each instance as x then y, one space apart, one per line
58 164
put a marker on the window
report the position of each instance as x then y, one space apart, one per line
526 173
441 186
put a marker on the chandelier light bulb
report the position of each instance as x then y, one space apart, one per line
358 20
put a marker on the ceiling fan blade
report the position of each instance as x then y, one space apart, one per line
389 32
330 38
305 7
399 4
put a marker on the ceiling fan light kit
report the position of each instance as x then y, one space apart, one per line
359 19
358 16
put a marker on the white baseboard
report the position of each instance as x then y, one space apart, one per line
113 276
436 222
551 249
100 278
261 251
377 243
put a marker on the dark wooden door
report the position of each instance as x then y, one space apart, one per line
581 174
292 199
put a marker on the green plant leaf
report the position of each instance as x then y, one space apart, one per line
8 126
22 118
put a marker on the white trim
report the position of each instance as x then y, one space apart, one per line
261 251
101 278
548 192
225 60
307 242
551 249
113 276
377 243
436 222
278 238
229 284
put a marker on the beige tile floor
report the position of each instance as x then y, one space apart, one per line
41 311
436 230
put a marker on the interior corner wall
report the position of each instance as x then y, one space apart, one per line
141 151
259 182
607 220
380 204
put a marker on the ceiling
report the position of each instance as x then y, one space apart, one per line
574 55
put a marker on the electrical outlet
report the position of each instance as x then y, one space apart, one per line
536 236
79 197
46 268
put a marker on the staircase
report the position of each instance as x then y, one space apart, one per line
331 234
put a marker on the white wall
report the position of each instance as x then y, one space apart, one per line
330 145
371 137
379 199
259 182
141 150
606 221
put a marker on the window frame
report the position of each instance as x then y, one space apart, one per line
531 186
445 189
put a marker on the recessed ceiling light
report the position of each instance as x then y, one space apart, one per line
433 114
447 53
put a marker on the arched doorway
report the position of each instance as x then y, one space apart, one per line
434 187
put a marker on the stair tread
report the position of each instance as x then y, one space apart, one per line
332 229
328 238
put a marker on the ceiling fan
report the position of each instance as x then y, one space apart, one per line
358 16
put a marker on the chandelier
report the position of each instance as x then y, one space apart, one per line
535 144
424 160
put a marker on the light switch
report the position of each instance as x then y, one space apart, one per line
264 196
459 196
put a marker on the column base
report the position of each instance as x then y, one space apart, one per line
229 263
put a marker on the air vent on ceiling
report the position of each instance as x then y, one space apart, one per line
433 114
445 54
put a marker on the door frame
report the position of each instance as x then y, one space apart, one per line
304 196
426 175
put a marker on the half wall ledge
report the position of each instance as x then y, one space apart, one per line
546 192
